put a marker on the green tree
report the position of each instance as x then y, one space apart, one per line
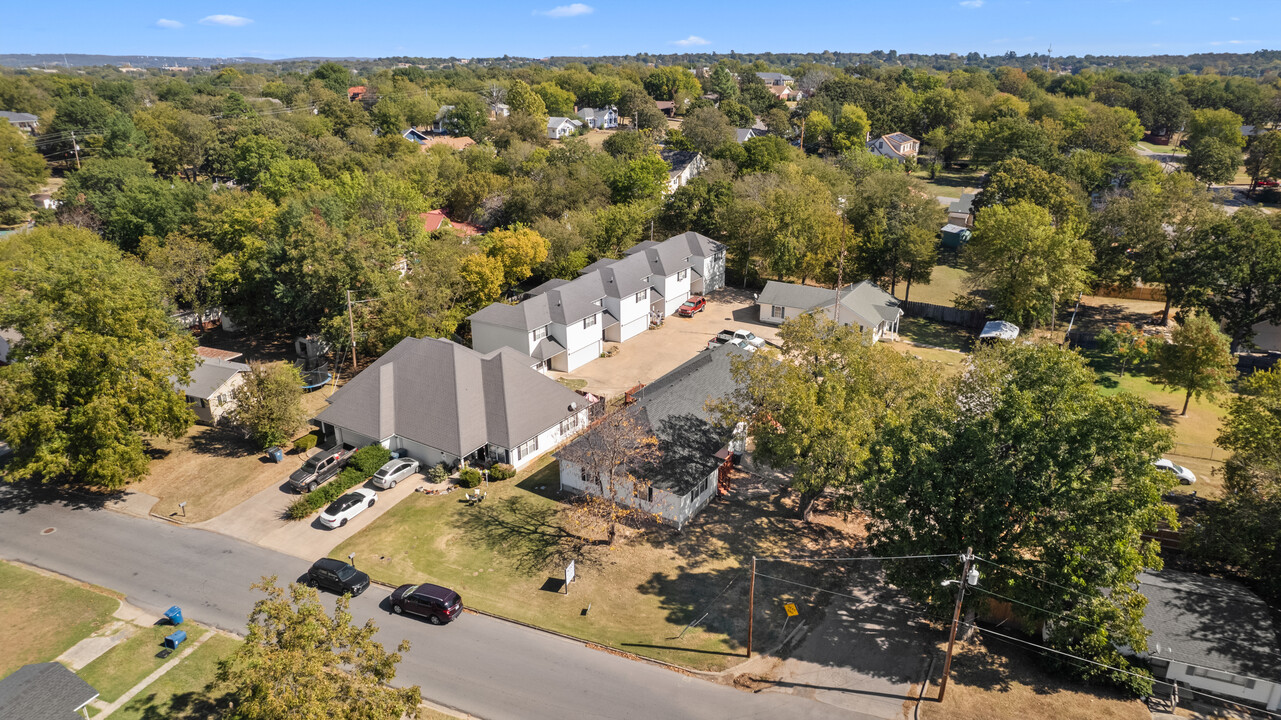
86 116
1221 125
895 227
298 661
738 114
816 406
557 101
628 144
1051 484
707 128
723 83
1239 263
1027 263
1213 161
1127 343
1263 159
519 249
178 139
93 372
288 175
268 404
849 132
644 178
525 101
1197 360
482 277
253 156
817 130
122 139
1013 180
467 118
22 171
335 77
665 83
185 264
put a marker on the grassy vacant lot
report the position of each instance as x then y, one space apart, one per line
180 694
994 680
44 616
946 282
1163 149
928 332
213 469
127 664
507 557
951 182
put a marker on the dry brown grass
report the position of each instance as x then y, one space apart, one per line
996 681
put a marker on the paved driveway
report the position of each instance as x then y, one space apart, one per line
654 353
311 540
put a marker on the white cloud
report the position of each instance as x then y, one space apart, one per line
1232 42
226 20
972 4
169 24
571 10
1235 19
692 40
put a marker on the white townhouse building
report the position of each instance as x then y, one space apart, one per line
563 324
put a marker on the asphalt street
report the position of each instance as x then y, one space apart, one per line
487 667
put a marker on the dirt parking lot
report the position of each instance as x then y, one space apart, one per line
654 353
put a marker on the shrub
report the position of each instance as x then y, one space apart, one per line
306 442
502 471
438 473
368 459
306 505
469 477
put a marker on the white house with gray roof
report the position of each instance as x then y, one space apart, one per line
563 324
213 381
437 401
560 127
605 118
863 304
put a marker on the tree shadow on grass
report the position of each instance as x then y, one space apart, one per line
194 705
529 535
221 442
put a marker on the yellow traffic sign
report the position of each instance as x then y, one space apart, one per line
790 609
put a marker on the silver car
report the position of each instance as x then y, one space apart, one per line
395 471
1185 476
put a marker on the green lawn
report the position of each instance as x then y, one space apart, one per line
936 334
128 663
507 557
946 282
1165 149
181 692
44 616
950 182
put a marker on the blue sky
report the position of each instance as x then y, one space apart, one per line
598 27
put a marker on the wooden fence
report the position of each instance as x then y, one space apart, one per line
945 314
1148 292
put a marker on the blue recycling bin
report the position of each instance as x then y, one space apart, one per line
174 614
173 640
276 454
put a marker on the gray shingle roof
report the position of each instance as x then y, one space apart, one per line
450 397
44 691
528 315
867 302
964 205
210 375
18 117
626 277
1210 622
575 300
678 159
674 407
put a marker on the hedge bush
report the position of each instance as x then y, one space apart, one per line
363 464
469 477
502 471
369 458
438 473
306 442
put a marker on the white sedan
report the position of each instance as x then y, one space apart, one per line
347 507
395 471
1184 475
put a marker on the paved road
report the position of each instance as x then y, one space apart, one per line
487 667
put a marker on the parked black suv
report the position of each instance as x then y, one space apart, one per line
337 576
438 604
319 468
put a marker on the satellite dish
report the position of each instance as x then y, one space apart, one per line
573 406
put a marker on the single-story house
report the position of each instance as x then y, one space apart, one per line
1212 635
23 121
692 449
863 304
994 330
436 219
439 402
961 212
685 164
560 127
45 691
667 107
600 118
742 135
782 92
773 78
895 146
209 394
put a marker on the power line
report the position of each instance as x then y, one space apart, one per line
1033 577
806 558
838 593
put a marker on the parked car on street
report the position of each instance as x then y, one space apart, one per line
337 576
347 507
395 471
319 468
1184 475
693 305
439 605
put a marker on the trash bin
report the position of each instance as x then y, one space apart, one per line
276 454
174 614
175 639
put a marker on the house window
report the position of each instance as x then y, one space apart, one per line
526 448
540 334
650 495
569 424
589 321
642 296
776 311
682 275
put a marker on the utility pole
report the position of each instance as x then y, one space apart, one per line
751 607
965 578
351 324
802 134
840 264
76 147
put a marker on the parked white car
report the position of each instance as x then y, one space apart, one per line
1184 475
347 507
748 337
395 471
